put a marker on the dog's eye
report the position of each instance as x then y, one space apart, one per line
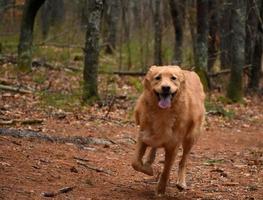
157 78
173 78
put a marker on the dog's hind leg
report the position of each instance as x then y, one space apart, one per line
137 163
151 156
150 159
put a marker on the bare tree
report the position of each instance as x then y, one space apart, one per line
82 7
90 74
125 4
177 8
26 34
112 16
0 50
157 33
52 12
5 5
213 33
201 41
192 22
255 72
138 27
253 46
235 86
225 34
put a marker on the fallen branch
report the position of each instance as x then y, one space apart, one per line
42 63
15 89
57 45
124 73
60 191
225 71
72 68
24 122
77 140
30 121
92 167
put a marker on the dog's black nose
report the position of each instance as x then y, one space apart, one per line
166 89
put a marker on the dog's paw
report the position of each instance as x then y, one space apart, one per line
136 166
160 191
159 195
146 169
181 186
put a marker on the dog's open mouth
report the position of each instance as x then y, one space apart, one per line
164 99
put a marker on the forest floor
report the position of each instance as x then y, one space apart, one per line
226 163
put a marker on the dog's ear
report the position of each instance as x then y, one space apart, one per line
182 77
147 78
182 80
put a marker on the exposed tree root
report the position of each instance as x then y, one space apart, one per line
77 140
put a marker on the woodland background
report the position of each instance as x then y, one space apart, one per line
210 37
70 74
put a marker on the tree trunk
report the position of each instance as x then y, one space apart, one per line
225 34
253 48
212 38
52 12
191 18
139 27
157 33
112 16
26 34
255 72
201 41
177 8
125 4
235 87
45 18
90 91
82 9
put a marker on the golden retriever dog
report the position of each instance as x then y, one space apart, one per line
170 113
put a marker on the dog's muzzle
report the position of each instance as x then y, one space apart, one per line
165 98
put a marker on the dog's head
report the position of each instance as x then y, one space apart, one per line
164 83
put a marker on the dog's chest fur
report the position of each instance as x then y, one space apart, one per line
161 129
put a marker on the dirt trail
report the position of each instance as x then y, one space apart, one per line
226 163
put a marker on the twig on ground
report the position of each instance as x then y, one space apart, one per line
6 122
97 169
60 191
79 158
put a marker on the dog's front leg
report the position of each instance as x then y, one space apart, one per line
137 163
170 153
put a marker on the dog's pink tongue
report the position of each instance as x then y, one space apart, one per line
165 103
